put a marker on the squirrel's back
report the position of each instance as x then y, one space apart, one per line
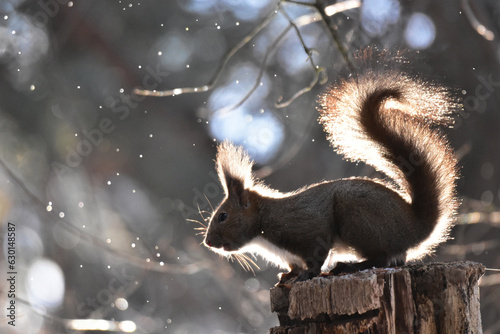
388 120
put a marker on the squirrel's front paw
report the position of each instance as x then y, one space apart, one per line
285 277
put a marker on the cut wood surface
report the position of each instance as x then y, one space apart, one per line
423 298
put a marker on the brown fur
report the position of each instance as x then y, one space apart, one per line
383 119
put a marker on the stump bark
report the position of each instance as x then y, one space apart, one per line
426 299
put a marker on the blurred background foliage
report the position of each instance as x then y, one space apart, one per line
103 184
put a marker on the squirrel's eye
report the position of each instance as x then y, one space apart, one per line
222 217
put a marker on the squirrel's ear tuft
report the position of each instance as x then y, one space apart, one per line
234 167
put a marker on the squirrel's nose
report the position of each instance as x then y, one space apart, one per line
208 242
213 240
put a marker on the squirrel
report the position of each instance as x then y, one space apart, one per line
384 118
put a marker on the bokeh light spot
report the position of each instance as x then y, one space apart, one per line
378 15
45 283
420 31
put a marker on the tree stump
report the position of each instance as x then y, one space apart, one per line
426 299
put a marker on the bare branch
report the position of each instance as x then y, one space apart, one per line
320 73
475 23
262 69
300 21
218 72
333 29
304 20
342 7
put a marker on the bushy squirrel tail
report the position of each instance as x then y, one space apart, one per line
388 120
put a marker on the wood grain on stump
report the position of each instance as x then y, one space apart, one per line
426 299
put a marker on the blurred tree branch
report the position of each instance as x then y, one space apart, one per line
324 12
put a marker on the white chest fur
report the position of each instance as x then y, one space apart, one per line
272 253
